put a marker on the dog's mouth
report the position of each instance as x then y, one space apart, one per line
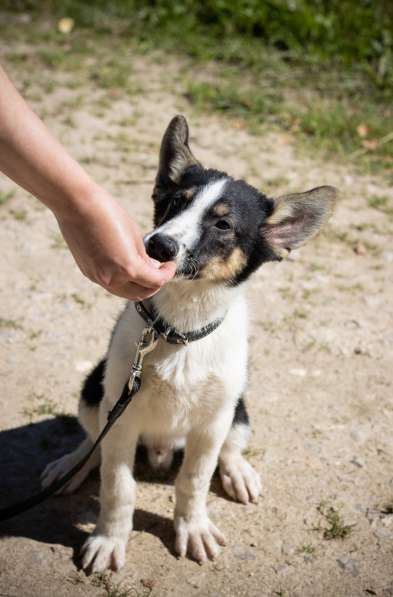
165 248
189 268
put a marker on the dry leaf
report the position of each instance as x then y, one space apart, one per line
238 124
114 92
149 583
360 249
65 25
362 130
370 144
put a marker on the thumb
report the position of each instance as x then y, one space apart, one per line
168 270
149 276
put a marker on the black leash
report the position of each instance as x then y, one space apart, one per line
156 327
34 500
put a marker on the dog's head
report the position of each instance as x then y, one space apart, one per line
220 229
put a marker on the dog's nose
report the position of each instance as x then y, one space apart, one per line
162 247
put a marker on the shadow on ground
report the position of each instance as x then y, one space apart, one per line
24 453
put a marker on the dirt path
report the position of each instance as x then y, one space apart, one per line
320 374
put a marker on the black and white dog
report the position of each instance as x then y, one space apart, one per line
218 230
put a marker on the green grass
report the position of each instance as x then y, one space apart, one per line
40 406
58 242
5 196
347 32
334 526
328 123
382 203
338 108
307 549
227 97
19 215
10 324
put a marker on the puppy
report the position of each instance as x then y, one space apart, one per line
219 231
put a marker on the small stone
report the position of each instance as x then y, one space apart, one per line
243 554
195 582
372 515
388 256
287 550
348 565
219 566
387 591
65 25
357 462
83 366
149 583
359 508
360 249
298 372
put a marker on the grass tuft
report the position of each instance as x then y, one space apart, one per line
5 196
334 528
104 581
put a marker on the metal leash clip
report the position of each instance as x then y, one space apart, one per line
147 342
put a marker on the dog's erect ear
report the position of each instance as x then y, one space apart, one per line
175 154
296 218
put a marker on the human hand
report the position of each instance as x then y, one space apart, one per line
108 247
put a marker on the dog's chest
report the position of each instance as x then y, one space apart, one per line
181 388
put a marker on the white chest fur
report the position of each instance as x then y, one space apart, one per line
182 385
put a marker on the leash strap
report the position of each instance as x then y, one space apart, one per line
156 327
147 343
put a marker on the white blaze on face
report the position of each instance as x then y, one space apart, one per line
186 227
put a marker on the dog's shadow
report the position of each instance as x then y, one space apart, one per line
24 453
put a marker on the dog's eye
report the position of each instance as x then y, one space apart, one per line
223 225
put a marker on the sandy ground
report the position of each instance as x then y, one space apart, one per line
320 393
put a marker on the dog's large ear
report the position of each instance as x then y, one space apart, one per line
298 217
175 154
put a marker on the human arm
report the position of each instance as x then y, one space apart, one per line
105 242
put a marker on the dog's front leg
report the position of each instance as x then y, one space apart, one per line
195 533
107 545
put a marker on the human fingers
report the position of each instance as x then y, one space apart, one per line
131 291
149 276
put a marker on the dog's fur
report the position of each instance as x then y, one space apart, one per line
219 230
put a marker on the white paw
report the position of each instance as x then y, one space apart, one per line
58 468
240 481
198 538
100 553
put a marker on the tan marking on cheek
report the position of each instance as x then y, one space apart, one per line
189 193
221 209
219 269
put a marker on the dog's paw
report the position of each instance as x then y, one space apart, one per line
240 481
199 538
58 468
100 553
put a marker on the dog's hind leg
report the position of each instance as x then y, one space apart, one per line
91 396
239 479
58 468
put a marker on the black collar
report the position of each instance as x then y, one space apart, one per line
169 333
